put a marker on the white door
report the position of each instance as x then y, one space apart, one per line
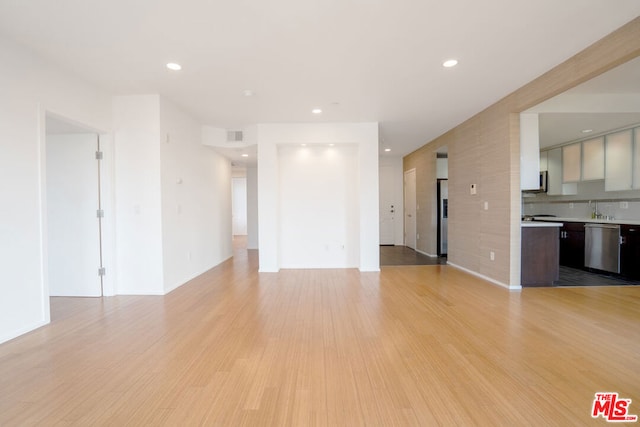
410 208
239 206
73 231
387 207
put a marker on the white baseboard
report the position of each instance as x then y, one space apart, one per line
22 331
424 253
488 279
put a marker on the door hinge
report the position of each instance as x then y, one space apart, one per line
100 213
102 271
99 155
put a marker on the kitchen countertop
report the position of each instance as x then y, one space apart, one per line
585 220
540 224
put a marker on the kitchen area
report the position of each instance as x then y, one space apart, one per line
580 180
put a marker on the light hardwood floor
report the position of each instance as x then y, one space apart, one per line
423 345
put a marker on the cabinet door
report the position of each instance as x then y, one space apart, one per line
572 245
543 161
618 161
636 159
630 251
529 152
554 179
593 159
571 156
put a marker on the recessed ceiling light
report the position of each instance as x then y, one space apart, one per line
303 145
245 155
316 111
331 145
450 63
387 149
174 67
587 130
248 92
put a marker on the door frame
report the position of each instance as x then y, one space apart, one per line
410 233
107 203
389 170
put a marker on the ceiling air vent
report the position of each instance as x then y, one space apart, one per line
234 136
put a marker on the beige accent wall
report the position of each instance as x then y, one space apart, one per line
485 150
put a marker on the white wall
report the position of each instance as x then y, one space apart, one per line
173 197
30 86
398 192
252 208
138 195
319 224
442 168
196 199
365 137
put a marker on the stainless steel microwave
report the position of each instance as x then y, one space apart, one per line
543 184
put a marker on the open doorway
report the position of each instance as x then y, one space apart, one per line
239 205
442 196
73 209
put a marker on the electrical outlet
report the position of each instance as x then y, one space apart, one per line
486 206
492 256
624 205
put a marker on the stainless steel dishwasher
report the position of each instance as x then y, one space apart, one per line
602 247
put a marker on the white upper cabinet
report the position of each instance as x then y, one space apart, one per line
543 161
619 161
529 152
555 186
571 160
636 159
593 159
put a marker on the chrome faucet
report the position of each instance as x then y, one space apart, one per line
594 213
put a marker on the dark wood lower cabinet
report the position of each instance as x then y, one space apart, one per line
572 245
539 255
630 251
570 248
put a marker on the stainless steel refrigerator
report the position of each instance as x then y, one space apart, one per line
443 215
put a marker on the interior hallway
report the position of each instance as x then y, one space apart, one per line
403 255
406 346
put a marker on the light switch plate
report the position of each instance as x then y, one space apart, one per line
624 205
472 189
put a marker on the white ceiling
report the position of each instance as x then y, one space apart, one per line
373 60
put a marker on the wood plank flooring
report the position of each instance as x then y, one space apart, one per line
422 345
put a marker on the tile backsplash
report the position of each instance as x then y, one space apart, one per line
584 209
619 204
